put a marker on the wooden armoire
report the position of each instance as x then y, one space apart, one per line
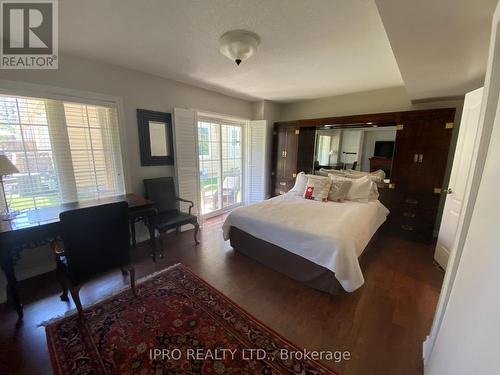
418 166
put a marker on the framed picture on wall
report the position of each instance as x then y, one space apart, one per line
155 137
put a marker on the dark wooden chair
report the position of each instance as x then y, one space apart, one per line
162 192
95 240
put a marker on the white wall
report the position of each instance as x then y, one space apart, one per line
138 90
392 99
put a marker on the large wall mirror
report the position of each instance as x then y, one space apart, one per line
364 149
155 137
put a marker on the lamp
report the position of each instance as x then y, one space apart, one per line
6 168
238 45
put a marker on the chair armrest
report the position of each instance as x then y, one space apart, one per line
57 247
187 201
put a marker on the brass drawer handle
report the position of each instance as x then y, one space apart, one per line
411 201
407 227
283 183
408 214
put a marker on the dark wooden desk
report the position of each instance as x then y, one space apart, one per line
34 228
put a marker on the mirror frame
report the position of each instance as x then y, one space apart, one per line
144 116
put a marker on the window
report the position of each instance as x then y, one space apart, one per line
64 151
204 139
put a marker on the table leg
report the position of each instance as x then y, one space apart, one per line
7 264
152 239
132 231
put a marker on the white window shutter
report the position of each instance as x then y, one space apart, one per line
257 161
186 157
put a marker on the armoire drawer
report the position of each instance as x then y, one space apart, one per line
418 228
281 186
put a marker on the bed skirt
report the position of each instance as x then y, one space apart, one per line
285 262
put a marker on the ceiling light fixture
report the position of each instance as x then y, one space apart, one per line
238 45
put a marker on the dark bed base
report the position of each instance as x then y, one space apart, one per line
285 262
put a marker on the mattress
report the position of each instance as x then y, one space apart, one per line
330 234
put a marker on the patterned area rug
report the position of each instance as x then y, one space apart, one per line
179 324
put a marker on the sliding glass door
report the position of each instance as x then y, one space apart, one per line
221 165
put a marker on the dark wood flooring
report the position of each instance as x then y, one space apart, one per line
382 324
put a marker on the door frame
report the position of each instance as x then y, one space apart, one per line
490 105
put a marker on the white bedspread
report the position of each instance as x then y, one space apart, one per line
330 234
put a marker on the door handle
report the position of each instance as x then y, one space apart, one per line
447 191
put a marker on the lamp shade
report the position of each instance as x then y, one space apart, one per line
6 166
238 45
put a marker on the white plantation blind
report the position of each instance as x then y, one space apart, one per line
64 151
186 157
257 156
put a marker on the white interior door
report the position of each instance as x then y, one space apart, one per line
460 174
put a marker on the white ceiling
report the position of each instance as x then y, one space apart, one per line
441 46
309 48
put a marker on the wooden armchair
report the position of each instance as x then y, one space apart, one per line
162 192
95 240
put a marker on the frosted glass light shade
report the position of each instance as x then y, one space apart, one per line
238 45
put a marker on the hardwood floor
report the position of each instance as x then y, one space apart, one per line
382 324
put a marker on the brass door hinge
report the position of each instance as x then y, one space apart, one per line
400 127
392 186
437 190
297 131
449 125
294 175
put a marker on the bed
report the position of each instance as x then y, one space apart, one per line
316 243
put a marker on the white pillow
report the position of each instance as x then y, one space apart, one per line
361 189
300 184
374 192
336 172
301 181
325 172
376 176
339 189
317 188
